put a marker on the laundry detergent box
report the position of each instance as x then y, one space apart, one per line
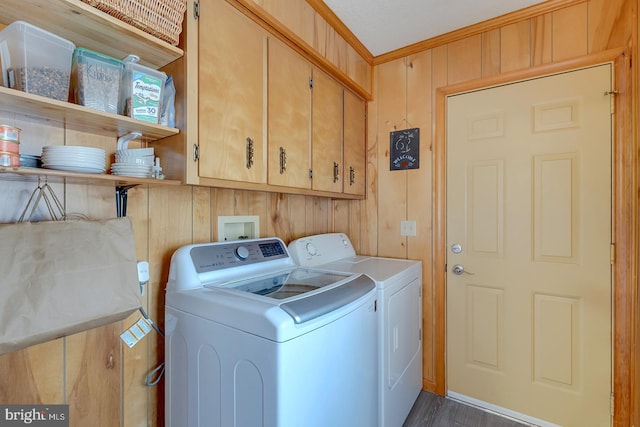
141 91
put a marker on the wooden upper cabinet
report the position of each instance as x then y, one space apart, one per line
249 118
289 111
354 145
231 98
326 142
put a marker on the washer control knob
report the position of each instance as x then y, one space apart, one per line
311 249
242 253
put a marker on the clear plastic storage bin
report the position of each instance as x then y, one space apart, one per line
35 61
95 80
141 92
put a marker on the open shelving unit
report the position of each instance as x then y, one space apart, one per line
93 29
78 117
53 175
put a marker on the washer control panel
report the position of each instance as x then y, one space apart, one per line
320 249
218 256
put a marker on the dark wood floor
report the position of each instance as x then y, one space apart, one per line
436 411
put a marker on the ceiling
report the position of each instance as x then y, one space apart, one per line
386 25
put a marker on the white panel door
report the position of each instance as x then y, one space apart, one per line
529 204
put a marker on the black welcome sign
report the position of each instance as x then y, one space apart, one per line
405 149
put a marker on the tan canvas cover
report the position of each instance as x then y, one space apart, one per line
62 277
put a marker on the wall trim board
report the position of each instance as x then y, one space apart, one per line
275 27
323 10
474 29
625 219
279 30
270 188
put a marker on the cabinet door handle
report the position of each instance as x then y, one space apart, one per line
336 172
249 153
352 175
283 160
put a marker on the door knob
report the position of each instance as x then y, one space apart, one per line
458 270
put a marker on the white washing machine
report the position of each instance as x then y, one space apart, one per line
399 284
254 340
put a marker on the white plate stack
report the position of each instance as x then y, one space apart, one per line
137 162
74 158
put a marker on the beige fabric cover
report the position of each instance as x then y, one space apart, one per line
62 277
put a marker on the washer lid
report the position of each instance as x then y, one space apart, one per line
302 293
273 319
285 284
304 309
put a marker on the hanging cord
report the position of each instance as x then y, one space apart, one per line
157 372
146 316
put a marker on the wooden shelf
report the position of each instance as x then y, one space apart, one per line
26 174
77 117
91 28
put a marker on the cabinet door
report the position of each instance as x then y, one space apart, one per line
326 143
232 56
354 145
289 100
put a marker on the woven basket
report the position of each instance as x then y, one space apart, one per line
161 18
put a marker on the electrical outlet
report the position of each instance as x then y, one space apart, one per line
407 228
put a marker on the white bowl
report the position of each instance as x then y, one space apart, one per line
136 152
140 160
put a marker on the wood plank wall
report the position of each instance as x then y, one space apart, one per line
311 28
103 381
403 93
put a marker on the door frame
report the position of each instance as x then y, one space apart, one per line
624 217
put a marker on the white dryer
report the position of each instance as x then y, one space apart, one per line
399 284
254 340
